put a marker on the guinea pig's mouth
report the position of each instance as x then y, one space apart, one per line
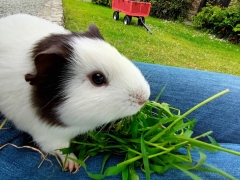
134 109
139 99
122 115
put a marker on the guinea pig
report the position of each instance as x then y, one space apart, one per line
56 84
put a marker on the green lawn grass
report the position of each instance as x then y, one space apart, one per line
171 43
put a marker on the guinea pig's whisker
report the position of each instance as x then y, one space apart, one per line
101 129
110 127
50 101
148 76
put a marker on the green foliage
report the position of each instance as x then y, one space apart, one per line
219 21
103 2
170 10
237 29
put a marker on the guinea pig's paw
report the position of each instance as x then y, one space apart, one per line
70 165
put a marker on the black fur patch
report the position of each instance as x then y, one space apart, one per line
51 58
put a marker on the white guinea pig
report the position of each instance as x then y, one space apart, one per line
56 84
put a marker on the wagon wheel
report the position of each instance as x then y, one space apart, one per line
127 20
130 17
141 21
116 15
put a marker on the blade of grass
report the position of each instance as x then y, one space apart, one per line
145 158
134 129
219 171
82 152
161 153
188 112
106 157
157 146
161 106
188 133
82 163
110 171
2 124
83 143
133 151
117 139
160 93
157 168
129 161
193 176
125 173
182 157
132 173
131 168
181 126
153 128
213 141
203 144
189 154
202 159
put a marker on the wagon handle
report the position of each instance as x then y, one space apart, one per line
145 26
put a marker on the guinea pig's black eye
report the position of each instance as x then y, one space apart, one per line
98 79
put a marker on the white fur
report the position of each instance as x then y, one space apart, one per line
87 106
109 102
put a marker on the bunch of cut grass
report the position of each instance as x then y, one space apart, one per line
151 140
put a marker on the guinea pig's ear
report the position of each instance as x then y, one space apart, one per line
93 32
46 62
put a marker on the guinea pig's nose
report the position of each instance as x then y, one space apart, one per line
141 102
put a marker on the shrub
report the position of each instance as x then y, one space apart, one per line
103 2
171 9
219 21
237 29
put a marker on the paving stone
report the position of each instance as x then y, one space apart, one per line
48 9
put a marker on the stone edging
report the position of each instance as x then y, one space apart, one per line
53 11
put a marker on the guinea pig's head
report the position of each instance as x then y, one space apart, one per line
81 80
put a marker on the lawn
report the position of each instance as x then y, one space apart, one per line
172 44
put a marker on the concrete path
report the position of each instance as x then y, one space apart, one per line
48 9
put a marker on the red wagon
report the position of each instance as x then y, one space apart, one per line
131 8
